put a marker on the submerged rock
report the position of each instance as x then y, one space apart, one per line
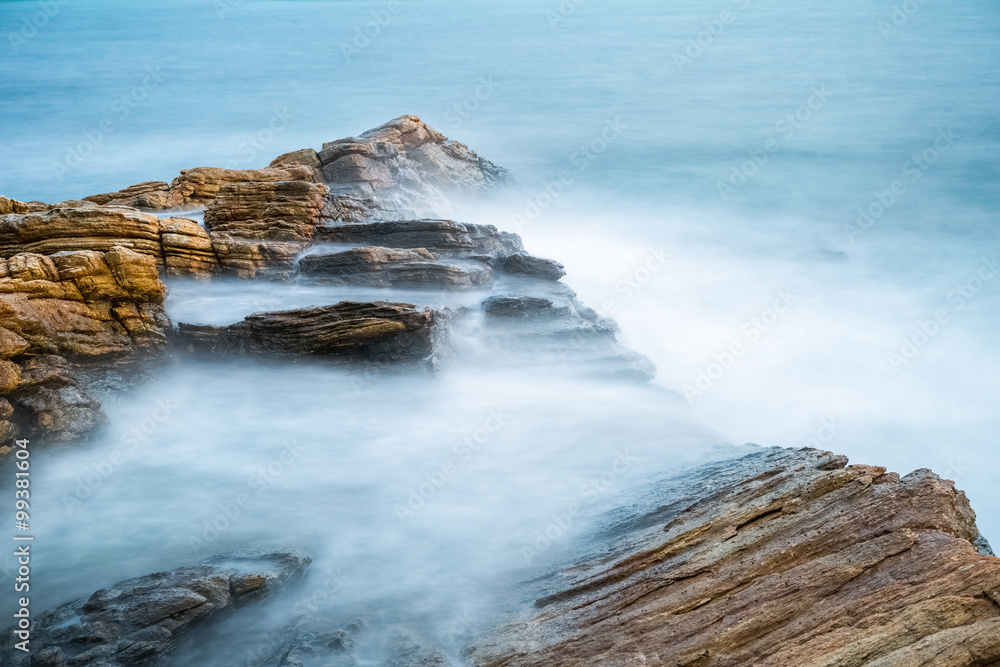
782 558
137 621
522 306
380 331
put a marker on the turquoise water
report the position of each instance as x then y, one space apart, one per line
703 184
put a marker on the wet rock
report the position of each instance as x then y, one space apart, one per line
536 267
374 266
407 649
522 306
137 621
442 236
187 249
380 330
396 171
151 195
51 403
782 558
253 215
72 226
84 303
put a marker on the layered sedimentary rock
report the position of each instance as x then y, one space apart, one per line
187 249
83 303
788 558
79 226
259 226
375 266
446 237
138 621
380 331
194 188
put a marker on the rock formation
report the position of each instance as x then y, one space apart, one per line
399 170
781 558
137 621
379 331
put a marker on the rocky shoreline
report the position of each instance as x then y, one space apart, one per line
777 558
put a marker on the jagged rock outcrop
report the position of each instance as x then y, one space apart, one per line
788 558
50 403
399 170
380 331
137 621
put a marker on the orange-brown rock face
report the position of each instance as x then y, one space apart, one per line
187 249
806 563
259 226
194 188
79 226
84 303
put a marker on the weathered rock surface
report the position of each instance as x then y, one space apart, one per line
522 306
187 249
375 266
787 558
259 226
445 237
137 621
83 303
79 226
524 264
50 403
399 170
194 188
380 331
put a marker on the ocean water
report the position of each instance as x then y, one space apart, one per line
792 210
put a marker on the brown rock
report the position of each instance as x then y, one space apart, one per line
151 195
802 562
196 188
379 330
10 377
84 303
397 171
12 206
281 211
187 249
79 226
259 228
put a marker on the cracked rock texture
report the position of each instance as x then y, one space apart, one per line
787 558
137 621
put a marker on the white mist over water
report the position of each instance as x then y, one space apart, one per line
821 371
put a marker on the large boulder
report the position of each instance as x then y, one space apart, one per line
399 170
138 621
783 558
380 331
83 304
